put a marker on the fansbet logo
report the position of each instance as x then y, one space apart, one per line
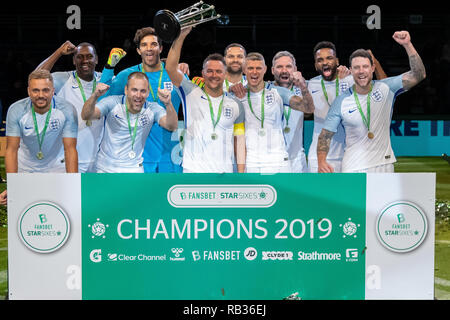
401 226
222 196
44 227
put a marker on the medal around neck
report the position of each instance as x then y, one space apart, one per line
261 132
168 25
132 154
287 129
40 155
214 136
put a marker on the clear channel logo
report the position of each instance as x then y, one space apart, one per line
44 227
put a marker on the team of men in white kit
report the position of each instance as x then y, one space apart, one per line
234 121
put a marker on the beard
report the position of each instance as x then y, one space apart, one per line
328 72
230 70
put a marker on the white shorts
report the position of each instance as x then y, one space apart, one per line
384 168
140 169
86 167
298 165
269 170
314 167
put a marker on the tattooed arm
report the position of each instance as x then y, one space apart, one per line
417 72
323 146
305 102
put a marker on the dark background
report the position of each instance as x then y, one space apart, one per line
30 32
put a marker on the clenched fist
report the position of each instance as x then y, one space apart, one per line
402 37
67 48
101 89
164 95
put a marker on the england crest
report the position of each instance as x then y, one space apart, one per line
377 95
228 112
54 124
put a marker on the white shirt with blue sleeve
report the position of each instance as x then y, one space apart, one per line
361 152
89 133
269 149
116 144
201 153
63 123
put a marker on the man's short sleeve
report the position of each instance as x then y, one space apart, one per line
285 94
15 113
158 111
70 129
395 84
334 116
107 104
59 79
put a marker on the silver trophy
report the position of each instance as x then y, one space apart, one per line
168 24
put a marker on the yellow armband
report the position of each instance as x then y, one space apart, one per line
239 129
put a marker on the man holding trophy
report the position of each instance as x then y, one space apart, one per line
214 121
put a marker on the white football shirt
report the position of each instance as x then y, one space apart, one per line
293 119
265 141
115 148
89 137
62 124
202 153
320 112
360 151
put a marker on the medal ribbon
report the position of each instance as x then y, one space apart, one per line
80 86
155 98
365 120
132 135
40 139
211 111
325 90
287 114
228 84
262 106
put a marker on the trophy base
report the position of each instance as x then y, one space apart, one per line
166 25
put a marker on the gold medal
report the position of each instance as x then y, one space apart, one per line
214 136
261 132
370 135
88 123
287 130
40 155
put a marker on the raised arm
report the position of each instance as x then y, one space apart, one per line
65 49
379 72
417 72
173 58
90 111
305 102
170 120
